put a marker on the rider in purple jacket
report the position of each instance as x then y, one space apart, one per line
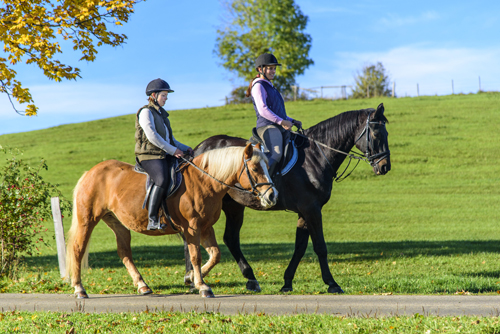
272 120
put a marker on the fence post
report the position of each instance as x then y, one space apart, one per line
393 88
479 83
59 229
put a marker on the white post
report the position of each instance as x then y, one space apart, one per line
393 88
59 229
480 84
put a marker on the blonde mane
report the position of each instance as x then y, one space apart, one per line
224 162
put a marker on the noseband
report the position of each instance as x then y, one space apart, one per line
373 159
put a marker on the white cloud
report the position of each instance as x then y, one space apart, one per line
433 69
395 20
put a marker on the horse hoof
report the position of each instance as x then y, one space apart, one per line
286 289
335 289
253 285
145 290
81 295
207 294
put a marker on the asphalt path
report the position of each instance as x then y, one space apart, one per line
342 305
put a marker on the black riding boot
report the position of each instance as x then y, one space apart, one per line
155 199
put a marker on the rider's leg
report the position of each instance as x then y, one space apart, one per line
273 139
159 171
155 199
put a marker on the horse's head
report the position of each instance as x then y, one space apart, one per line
255 176
372 140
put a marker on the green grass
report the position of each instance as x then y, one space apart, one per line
430 226
208 322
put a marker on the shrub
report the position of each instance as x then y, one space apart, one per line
24 208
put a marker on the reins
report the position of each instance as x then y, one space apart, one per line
351 156
252 181
367 158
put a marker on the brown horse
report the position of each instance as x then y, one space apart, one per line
114 192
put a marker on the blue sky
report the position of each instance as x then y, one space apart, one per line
429 43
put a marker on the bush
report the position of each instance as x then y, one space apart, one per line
24 208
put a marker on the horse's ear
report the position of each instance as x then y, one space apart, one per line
248 151
258 146
380 111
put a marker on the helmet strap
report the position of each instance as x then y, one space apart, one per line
263 73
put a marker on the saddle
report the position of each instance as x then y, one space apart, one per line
175 182
290 153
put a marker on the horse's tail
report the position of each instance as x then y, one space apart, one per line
70 253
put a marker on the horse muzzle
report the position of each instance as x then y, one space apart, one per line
382 166
269 198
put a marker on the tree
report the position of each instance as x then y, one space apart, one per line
258 26
371 82
31 31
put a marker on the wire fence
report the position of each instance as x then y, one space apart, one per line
402 89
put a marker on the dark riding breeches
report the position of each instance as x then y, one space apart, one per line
158 170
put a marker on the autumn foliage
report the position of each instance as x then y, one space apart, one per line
32 30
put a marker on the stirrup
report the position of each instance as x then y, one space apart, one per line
152 225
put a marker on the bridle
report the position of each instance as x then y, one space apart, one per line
253 183
373 159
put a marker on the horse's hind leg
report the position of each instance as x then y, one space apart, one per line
77 252
124 250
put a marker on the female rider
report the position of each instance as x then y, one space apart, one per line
272 121
156 147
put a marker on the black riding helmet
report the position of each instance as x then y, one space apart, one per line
266 59
158 85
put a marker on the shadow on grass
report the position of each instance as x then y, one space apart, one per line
152 256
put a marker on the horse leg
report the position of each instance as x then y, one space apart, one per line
301 239
188 277
124 251
78 239
234 220
315 226
209 242
193 242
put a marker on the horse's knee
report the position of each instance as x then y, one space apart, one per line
217 256
320 250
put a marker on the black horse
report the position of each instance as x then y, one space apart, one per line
307 187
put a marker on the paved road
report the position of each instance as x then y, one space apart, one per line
275 304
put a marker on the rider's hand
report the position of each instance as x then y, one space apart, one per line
297 123
189 151
178 153
287 125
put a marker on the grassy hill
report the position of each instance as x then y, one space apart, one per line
429 226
